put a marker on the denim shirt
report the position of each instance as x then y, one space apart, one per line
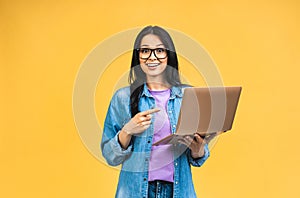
133 178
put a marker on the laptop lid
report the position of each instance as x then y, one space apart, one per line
207 109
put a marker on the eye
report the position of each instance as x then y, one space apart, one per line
160 50
145 50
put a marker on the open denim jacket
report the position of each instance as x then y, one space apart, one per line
133 179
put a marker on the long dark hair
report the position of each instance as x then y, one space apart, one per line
137 77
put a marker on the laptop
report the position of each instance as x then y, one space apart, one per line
205 110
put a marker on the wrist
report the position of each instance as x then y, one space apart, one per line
197 154
125 133
124 139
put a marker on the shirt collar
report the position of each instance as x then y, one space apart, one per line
176 91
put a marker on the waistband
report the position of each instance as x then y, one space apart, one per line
156 182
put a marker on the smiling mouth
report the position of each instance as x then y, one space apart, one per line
152 64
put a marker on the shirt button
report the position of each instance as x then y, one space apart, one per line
176 164
176 182
148 141
174 126
145 179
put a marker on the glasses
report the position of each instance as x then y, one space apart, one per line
159 53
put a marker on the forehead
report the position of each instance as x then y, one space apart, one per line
151 40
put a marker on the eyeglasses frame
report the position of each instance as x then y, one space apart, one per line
153 51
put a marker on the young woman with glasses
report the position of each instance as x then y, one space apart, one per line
144 112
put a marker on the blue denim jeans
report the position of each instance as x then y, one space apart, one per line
160 189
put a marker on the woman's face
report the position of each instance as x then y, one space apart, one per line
153 57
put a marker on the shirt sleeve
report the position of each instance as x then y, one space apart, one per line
198 161
111 149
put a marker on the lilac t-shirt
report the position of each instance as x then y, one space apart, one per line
161 166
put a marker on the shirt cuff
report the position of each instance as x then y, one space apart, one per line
117 148
199 161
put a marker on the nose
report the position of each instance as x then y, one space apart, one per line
152 56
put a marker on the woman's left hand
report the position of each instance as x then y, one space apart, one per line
196 144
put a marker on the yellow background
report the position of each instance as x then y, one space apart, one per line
42 44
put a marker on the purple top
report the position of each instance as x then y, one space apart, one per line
161 166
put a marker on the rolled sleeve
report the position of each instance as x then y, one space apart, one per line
117 148
198 161
114 153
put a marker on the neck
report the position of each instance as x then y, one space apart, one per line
157 86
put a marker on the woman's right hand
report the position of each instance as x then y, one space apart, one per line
140 122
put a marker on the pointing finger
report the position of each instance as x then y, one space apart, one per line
150 111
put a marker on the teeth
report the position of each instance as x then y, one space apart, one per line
152 64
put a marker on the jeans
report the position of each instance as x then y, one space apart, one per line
160 189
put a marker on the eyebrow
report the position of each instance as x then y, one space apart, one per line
149 45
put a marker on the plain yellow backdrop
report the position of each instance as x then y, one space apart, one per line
42 44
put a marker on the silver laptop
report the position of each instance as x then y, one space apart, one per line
205 110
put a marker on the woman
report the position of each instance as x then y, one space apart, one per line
145 112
